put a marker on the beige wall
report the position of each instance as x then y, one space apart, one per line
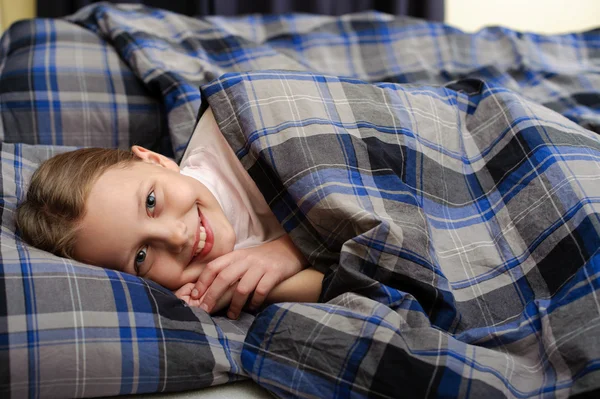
14 10
541 16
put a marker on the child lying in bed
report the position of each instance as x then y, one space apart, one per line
204 231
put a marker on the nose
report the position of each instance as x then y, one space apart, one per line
173 234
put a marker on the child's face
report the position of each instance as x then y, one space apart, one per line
148 219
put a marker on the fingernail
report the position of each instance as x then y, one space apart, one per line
231 315
204 307
195 293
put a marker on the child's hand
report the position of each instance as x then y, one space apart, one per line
184 293
258 269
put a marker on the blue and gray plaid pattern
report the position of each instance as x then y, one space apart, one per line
63 85
72 330
458 227
173 55
400 318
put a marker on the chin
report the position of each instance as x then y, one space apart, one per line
226 245
231 244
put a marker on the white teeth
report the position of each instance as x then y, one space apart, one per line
201 242
201 238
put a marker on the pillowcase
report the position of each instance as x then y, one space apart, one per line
61 84
72 330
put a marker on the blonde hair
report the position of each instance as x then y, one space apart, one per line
55 204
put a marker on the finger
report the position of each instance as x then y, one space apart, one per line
221 283
264 286
242 291
207 275
198 290
184 290
193 302
211 271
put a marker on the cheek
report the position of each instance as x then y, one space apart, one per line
180 188
198 191
166 272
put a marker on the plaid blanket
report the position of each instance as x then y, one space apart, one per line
459 228
62 85
454 218
173 55
72 330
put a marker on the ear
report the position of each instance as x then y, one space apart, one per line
152 157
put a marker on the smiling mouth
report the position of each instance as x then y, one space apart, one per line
204 238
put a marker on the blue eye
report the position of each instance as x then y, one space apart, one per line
139 259
151 201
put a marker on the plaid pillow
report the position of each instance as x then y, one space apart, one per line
61 84
72 330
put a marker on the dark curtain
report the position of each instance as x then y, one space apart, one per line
427 9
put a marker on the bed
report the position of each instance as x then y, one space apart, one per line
446 183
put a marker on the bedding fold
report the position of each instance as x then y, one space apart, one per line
173 55
458 227
445 182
